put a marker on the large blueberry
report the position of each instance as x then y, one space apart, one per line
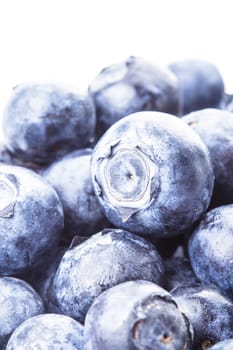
200 83
215 127
211 248
131 86
152 174
209 311
71 178
42 122
47 332
102 261
18 302
136 315
31 219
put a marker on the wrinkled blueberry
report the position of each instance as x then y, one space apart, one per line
71 178
131 86
209 311
31 219
42 122
215 127
200 83
211 248
47 332
152 174
136 315
105 259
18 302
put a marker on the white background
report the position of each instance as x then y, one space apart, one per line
71 41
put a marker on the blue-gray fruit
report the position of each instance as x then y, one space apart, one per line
104 260
136 315
131 86
47 332
215 128
18 302
71 178
31 219
152 174
43 122
200 84
209 311
210 248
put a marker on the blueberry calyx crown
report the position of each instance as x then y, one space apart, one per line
125 177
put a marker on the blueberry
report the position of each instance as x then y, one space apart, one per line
136 315
200 83
215 127
131 86
42 122
71 178
211 248
7 157
31 219
223 345
209 311
227 102
19 301
41 278
178 272
152 174
105 259
47 332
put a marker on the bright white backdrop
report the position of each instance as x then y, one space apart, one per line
70 41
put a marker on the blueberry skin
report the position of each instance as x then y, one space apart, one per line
223 345
178 272
227 102
43 122
105 259
132 85
47 331
152 174
18 301
215 127
71 178
200 83
145 317
8 158
41 278
209 311
31 219
210 248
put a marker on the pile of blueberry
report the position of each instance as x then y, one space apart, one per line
116 212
